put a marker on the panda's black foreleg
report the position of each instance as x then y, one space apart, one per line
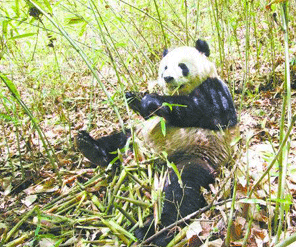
134 100
99 151
180 201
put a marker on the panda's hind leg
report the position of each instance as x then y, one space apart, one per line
181 201
99 151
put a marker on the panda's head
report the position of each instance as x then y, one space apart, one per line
184 68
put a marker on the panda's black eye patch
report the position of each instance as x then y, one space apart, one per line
166 67
185 70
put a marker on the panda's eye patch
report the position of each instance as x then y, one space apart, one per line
166 67
185 70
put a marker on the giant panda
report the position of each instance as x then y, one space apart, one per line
200 119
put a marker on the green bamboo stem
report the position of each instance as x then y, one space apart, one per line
247 52
84 57
230 217
286 109
160 23
249 228
288 241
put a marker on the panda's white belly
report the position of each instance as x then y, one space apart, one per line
214 146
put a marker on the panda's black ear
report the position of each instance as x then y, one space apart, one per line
165 52
203 47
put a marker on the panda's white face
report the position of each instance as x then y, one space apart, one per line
183 69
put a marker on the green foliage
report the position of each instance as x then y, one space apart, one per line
163 126
11 86
65 65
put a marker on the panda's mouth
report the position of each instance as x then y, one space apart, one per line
176 88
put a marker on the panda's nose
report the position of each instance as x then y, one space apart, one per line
168 79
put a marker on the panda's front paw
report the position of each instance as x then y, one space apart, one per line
150 104
130 95
134 101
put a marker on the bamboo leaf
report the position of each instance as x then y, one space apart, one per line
22 36
74 20
163 126
10 85
47 4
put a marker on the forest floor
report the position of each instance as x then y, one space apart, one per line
41 204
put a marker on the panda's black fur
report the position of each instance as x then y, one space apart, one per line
199 121
216 107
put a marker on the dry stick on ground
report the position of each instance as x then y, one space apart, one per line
188 217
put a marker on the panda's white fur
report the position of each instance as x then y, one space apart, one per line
199 65
215 145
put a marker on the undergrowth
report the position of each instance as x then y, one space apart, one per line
65 66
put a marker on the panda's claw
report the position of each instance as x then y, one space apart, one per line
129 95
134 101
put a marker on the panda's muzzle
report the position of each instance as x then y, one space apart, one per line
168 79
